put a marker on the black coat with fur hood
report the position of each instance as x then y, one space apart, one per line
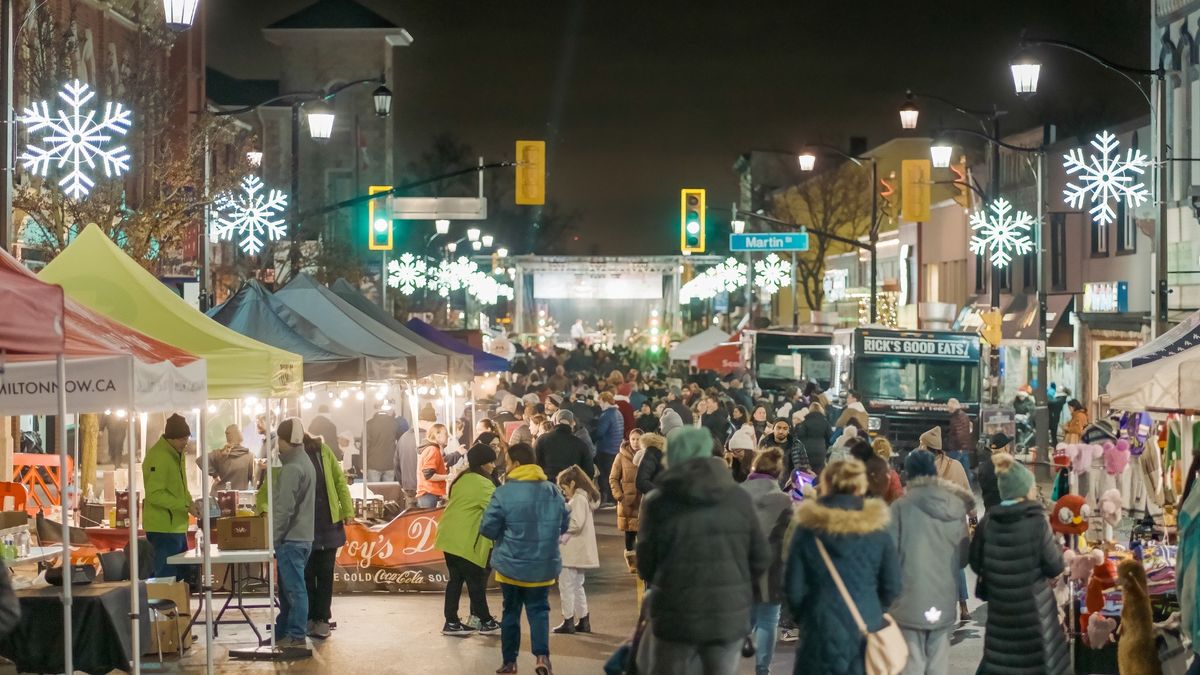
854 532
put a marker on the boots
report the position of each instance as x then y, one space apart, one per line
631 561
584 625
567 627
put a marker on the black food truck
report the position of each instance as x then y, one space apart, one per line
782 359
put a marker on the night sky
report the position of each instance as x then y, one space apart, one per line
639 99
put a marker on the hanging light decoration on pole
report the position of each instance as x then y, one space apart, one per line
487 240
441 226
909 112
452 246
254 157
473 234
940 152
501 252
737 225
180 14
383 101
320 121
1025 71
808 159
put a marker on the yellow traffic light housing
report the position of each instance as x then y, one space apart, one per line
531 173
691 220
379 222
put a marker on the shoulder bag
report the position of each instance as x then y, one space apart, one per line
887 653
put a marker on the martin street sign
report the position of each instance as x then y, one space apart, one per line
775 241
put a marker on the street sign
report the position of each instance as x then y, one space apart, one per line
435 208
773 241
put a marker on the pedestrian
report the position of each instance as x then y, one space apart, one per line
840 449
610 431
1188 562
623 483
167 500
948 468
843 530
332 508
813 433
431 481
675 402
854 410
322 427
774 511
382 465
1056 400
759 419
929 527
739 454
878 471
293 513
651 464
467 552
646 419
232 466
669 421
959 440
883 450
560 448
701 550
524 521
1073 429
999 442
1016 558
578 549
628 416
507 411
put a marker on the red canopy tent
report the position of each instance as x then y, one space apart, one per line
724 358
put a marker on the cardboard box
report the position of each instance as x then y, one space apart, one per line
172 633
242 533
169 589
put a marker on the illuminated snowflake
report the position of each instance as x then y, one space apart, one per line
1105 177
75 138
771 274
701 287
487 290
1001 231
729 275
452 275
407 273
250 215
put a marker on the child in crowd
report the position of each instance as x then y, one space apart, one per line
578 549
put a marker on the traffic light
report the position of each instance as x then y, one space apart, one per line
379 220
691 220
531 173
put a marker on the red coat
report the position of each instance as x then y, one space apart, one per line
626 410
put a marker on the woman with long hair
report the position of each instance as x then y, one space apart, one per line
432 471
623 483
578 549
465 551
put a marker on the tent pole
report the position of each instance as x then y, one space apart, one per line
363 449
64 476
134 562
206 529
272 454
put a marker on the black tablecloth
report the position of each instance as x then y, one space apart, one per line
100 618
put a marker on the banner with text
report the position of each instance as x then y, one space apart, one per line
397 557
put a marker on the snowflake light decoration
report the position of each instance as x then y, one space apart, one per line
487 290
771 274
452 275
250 215
407 273
1001 231
729 275
74 138
1105 177
701 287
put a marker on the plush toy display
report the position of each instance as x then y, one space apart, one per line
1070 515
1137 652
1116 457
1110 507
1080 564
1099 629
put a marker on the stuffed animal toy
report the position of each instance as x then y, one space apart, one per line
1110 507
1080 564
1104 576
1116 458
1137 652
1084 453
1099 629
1070 516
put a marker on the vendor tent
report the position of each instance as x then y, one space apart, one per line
698 344
98 274
33 309
484 362
458 364
724 358
343 322
1183 336
257 314
1163 374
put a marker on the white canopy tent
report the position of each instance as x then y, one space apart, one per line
698 344
1166 384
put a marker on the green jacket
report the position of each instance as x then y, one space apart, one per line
341 506
167 498
458 530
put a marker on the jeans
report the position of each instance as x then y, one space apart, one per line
318 582
961 457
928 651
961 582
376 476
475 577
604 463
427 501
536 601
290 558
765 618
571 595
166 544
678 658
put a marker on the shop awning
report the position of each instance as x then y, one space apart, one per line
1165 384
99 275
1182 337
1021 318
724 358
255 313
484 362
698 344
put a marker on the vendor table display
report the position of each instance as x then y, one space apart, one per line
233 560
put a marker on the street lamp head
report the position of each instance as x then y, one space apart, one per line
476 245
473 234
383 101
442 226
452 246
909 112
501 252
320 121
808 159
738 226
254 157
487 240
1025 71
180 14
940 152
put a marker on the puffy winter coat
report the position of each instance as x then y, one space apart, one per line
623 481
929 526
814 432
986 473
854 532
458 529
1015 555
628 417
610 430
959 436
774 509
524 520
167 498
1188 568
794 455
701 550
649 469
580 550
560 449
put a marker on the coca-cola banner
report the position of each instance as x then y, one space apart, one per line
396 557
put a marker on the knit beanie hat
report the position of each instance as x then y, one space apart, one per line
427 413
670 421
688 443
932 439
1012 478
480 454
742 439
291 430
176 428
919 463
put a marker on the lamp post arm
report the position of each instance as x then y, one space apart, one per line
963 183
820 233
982 115
300 97
1125 71
834 149
991 139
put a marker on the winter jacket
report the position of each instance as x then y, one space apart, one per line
341 505
1073 430
167 498
623 482
381 443
580 551
774 510
586 438
406 460
1015 555
628 418
433 463
233 465
986 474
1024 406
524 520
294 507
648 423
854 532
610 431
951 470
649 470
1188 565
958 439
681 409
814 432
328 531
560 449
701 550
458 530
717 424
929 526
795 455
322 427
856 411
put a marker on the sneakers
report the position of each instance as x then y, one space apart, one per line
543 666
567 627
789 635
631 561
488 627
456 628
291 643
318 629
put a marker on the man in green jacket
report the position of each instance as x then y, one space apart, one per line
167 498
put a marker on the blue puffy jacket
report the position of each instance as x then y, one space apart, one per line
526 517
610 429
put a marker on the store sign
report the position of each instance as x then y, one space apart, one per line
942 347
397 557
835 283
1106 297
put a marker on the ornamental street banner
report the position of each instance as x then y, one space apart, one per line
397 557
